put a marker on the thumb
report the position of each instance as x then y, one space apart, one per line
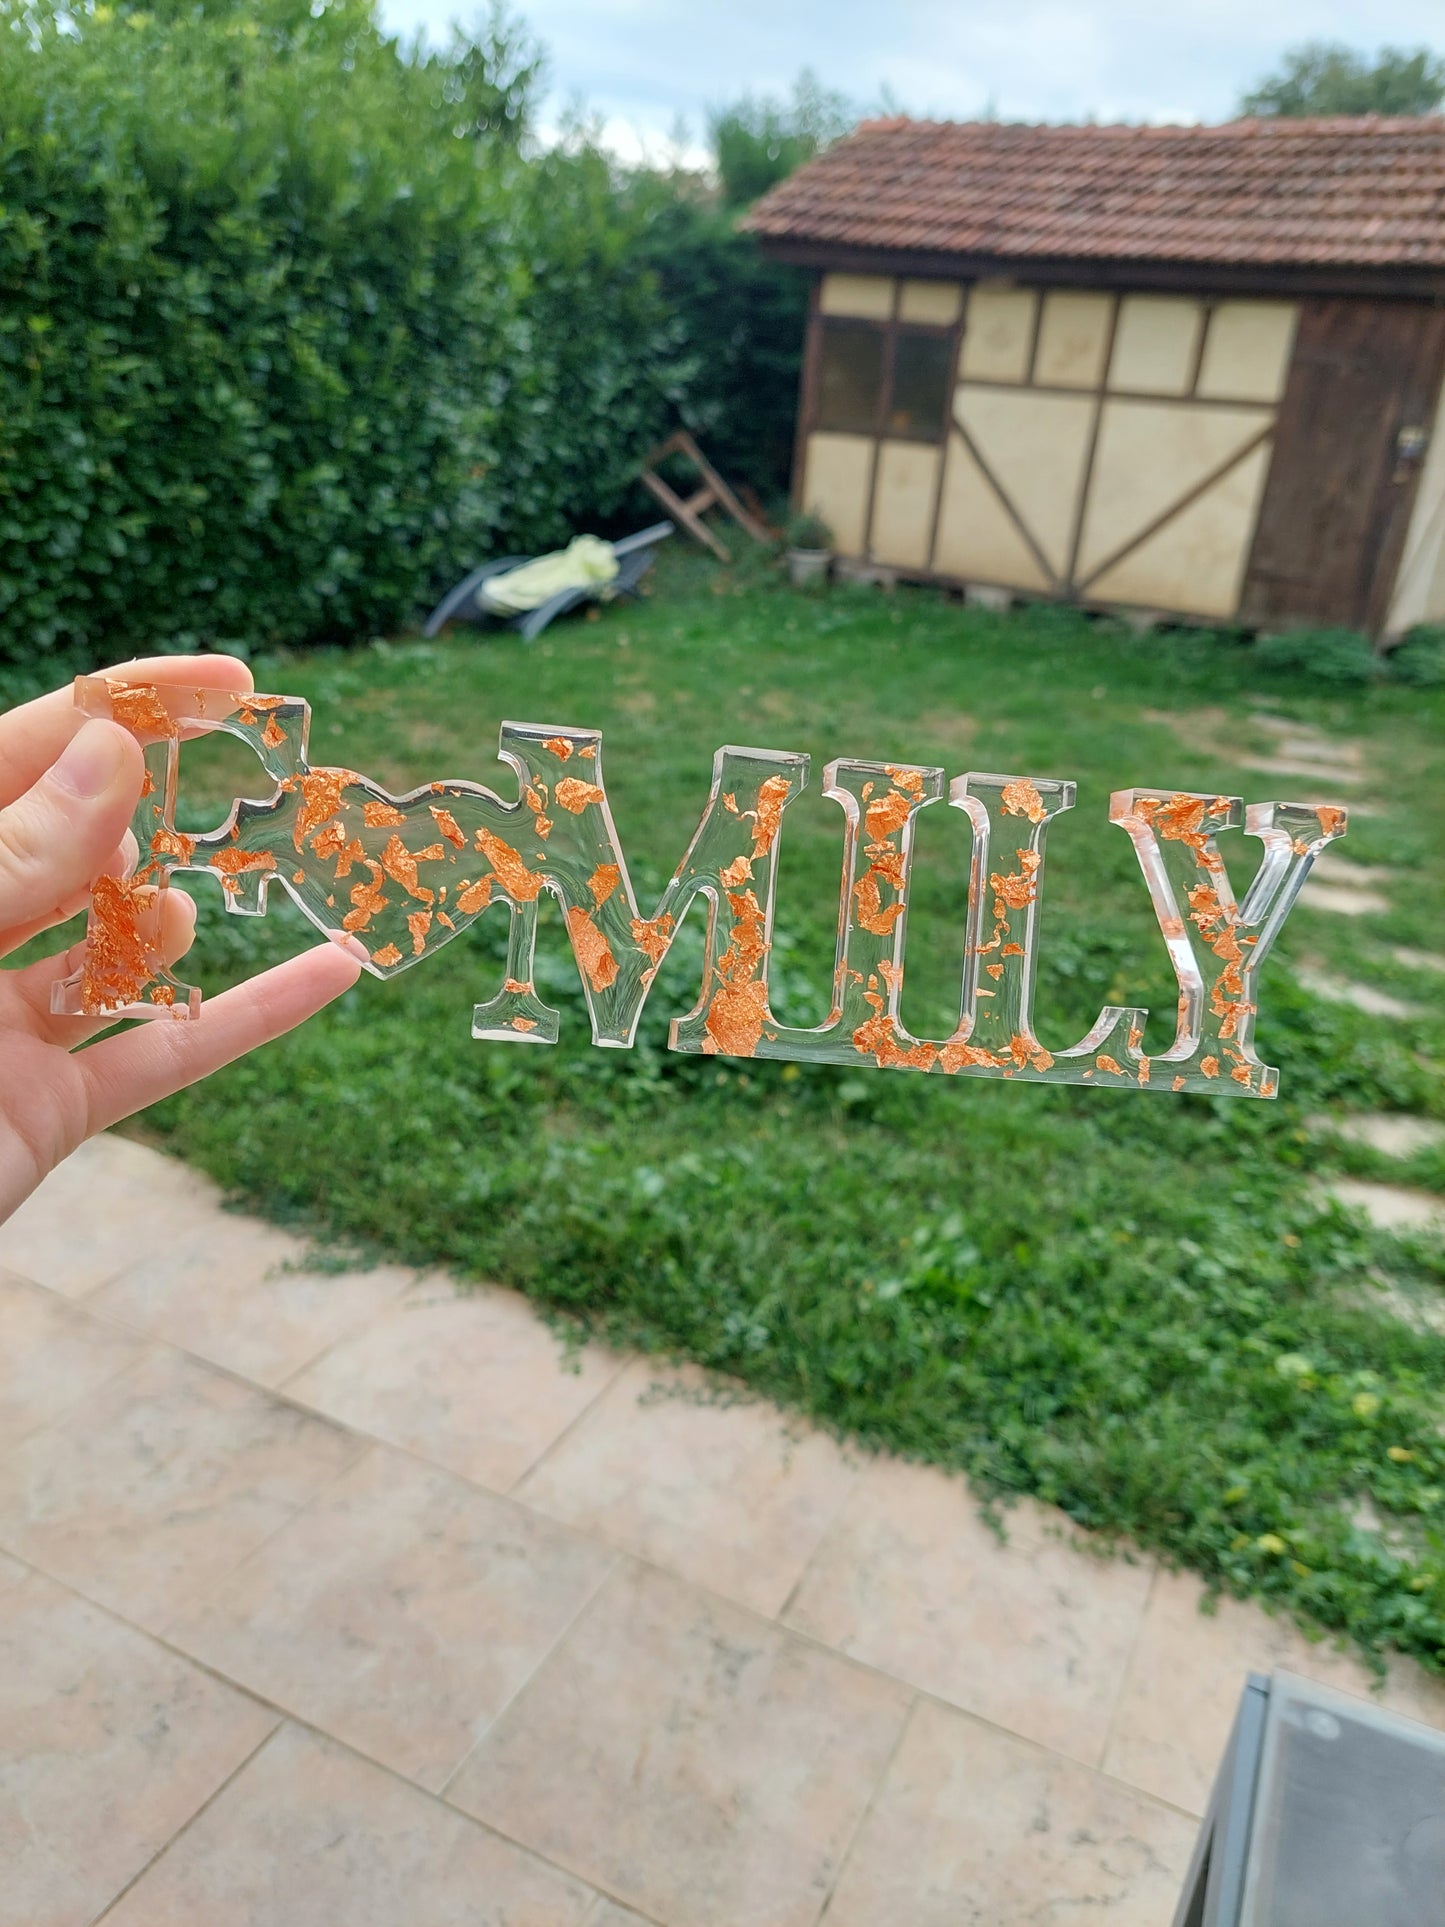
62 832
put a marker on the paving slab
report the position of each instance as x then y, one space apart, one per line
1330 867
1390 1132
1324 775
400 1612
109 1206
162 1482
1342 901
974 1828
310 1836
1034 1635
1303 746
240 1294
1419 959
53 1356
1338 990
472 1380
1392 1207
108 1745
723 1490
690 1759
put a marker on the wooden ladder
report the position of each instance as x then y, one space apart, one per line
714 493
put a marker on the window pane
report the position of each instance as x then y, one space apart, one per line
920 386
850 378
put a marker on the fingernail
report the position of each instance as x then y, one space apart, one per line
91 761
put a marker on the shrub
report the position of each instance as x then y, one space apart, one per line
1339 656
289 330
1420 659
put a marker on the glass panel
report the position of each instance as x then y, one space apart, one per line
1349 1816
850 379
920 386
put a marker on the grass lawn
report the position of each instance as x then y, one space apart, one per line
1135 1306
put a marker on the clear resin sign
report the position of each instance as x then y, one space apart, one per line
404 874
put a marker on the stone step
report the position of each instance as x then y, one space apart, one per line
1327 775
1336 990
1391 1207
1343 902
1418 959
1332 868
1394 1133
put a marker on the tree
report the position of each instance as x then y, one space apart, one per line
760 139
1325 77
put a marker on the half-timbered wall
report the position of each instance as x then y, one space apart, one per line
1108 447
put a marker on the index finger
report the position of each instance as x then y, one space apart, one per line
32 736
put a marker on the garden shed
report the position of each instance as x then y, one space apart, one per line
1193 370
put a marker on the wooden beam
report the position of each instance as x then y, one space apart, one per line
1172 277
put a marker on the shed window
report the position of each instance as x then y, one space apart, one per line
850 379
920 386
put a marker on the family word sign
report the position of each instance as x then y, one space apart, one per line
404 874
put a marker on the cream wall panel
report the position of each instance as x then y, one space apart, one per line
1420 585
1149 455
1247 350
1195 564
835 486
1037 446
903 497
1156 343
998 332
867 295
936 304
976 538
1073 340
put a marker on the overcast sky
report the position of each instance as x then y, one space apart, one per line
640 64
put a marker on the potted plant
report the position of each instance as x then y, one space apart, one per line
810 549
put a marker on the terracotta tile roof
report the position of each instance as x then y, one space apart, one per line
1364 193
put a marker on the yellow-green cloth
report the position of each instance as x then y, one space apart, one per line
586 562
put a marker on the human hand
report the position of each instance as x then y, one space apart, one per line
68 789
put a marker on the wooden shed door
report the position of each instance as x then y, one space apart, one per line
1348 445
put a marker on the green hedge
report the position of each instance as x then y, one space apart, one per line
286 337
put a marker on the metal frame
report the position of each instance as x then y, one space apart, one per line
1213 1893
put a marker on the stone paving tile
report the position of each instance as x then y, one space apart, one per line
52 1355
1186 1675
688 1758
727 1494
400 1612
162 1482
229 1294
973 1828
1332 868
470 1380
1035 1636
1393 1207
1318 749
1337 990
110 1205
1341 901
1418 959
1394 1133
1323 774
108 1744
609 1914
310 1836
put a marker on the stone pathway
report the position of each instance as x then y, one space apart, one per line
346 1598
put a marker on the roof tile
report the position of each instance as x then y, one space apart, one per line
1363 193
